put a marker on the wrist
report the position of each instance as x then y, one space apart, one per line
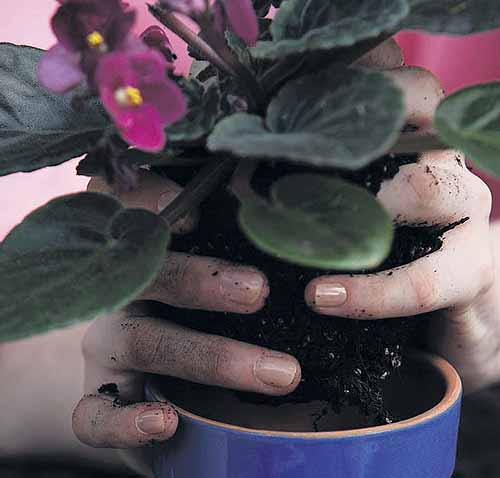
42 380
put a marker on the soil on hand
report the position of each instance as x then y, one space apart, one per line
343 361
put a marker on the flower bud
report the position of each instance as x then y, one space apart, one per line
156 38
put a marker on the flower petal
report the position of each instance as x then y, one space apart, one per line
243 19
59 70
143 128
64 28
114 71
119 28
168 99
149 65
132 44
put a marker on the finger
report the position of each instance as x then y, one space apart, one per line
210 284
437 281
436 190
385 56
153 193
422 94
157 346
101 422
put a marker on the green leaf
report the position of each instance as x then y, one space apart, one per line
38 129
460 17
317 120
204 111
469 120
309 25
75 258
202 70
319 221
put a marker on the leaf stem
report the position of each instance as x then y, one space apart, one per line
218 43
190 37
418 142
241 181
197 190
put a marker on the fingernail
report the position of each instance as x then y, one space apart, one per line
241 286
151 422
276 371
330 295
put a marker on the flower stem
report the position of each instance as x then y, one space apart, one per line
197 190
190 37
418 142
215 51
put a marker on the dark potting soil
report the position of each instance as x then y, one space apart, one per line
344 361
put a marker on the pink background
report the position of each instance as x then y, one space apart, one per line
457 62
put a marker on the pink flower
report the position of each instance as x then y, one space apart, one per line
85 29
238 15
187 7
139 97
242 19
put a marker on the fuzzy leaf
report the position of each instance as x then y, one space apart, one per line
38 129
75 258
318 221
309 25
469 120
459 17
316 120
204 111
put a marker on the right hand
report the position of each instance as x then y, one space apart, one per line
122 347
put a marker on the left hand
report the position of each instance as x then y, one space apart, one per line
456 281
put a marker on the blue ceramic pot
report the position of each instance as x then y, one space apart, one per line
421 446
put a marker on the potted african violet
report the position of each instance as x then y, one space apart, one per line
282 134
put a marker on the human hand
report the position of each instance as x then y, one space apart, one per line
455 282
121 348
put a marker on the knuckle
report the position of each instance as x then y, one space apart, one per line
483 195
210 361
487 276
217 363
147 349
80 422
424 289
427 185
371 300
436 190
93 423
176 272
87 347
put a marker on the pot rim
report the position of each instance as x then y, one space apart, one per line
452 394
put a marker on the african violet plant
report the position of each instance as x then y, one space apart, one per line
283 89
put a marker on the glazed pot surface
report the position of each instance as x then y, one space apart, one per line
222 437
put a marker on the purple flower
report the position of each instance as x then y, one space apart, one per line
139 97
85 30
156 38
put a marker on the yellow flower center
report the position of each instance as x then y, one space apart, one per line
129 96
96 40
